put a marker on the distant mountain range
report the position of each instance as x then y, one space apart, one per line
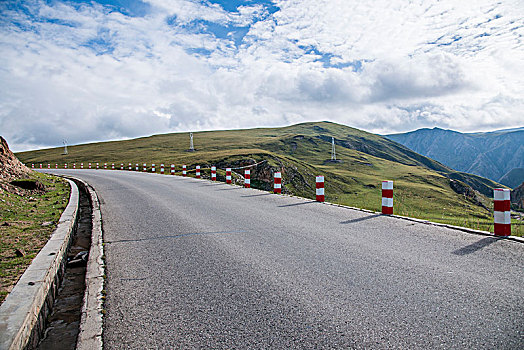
497 155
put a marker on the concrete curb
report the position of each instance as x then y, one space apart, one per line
23 313
91 323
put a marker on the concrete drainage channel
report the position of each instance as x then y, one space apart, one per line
64 321
57 303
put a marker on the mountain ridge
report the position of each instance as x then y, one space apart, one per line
487 154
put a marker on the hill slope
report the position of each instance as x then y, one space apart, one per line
490 155
513 178
423 187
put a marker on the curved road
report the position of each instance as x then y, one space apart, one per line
196 264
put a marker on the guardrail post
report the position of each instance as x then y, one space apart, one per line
228 175
247 178
320 188
277 186
502 212
387 197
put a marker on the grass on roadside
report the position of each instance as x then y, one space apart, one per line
27 221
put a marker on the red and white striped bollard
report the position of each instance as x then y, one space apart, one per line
320 188
502 212
277 186
172 169
162 168
81 165
97 166
184 170
65 166
137 167
247 178
214 173
144 169
153 170
112 166
228 175
197 172
32 165
387 197
130 167
121 166
105 165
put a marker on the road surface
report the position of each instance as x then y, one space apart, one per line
196 264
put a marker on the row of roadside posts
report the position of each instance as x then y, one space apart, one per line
502 204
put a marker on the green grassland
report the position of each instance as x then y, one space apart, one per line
22 234
422 185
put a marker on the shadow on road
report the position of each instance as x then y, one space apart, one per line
352 221
232 188
257 195
472 248
295 204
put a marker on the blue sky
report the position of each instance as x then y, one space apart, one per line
99 70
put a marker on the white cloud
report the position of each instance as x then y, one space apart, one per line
86 73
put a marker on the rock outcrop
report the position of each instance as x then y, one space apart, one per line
11 168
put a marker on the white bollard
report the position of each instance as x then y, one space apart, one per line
320 188
387 197
228 175
277 186
502 212
247 178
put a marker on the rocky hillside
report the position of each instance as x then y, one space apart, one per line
517 198
11 168
490 155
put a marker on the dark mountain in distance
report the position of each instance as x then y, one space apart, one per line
493 155
513 178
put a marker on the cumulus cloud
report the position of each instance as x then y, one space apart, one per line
89 71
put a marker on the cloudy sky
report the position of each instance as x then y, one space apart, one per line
114 69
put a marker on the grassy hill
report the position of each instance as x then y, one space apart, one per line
424 188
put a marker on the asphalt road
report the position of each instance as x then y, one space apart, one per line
195 264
